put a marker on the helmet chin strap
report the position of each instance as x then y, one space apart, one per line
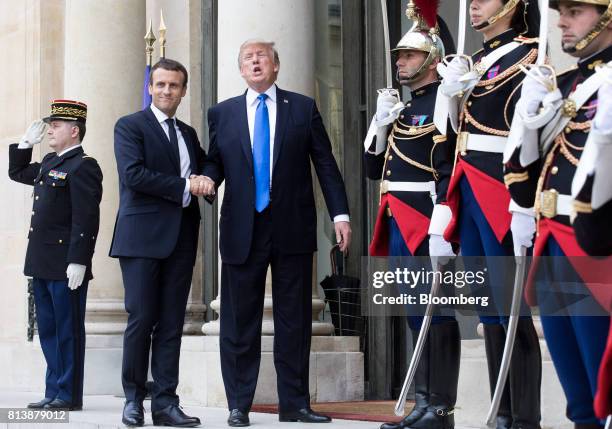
603 22
499 14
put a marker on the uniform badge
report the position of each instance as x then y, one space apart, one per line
57 174
493 71
419 119
591 109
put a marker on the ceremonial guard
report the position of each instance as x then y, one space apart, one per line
404 149
479 95
592 193
553 121
63 231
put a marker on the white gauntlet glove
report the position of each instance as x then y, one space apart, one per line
539 91
440 250
523 227
603 117
76 274
34 135
453 75
388 107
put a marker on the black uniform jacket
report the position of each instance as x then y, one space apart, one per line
555 170
65 210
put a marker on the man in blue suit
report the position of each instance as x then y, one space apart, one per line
262 144
155 239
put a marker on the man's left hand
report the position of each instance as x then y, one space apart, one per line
343 235
75 274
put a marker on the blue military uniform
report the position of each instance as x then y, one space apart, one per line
481 221
63 230
415 169
575 332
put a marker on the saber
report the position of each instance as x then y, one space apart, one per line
517 296
543 37
420 344
461 27
389 78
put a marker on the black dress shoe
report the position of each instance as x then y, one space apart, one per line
238 419
133 414
60 404
305 415
172 415
40 404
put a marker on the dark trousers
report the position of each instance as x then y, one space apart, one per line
242 299
156 293
60 314
576 330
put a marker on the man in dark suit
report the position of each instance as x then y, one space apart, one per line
155 239
262 144
63 231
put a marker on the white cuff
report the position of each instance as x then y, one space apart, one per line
605 132
514 207
186 194
341 218
23 145
380 133
440 218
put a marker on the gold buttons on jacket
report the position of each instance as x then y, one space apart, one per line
31 229
390 157
554 170
36 197
388 172
60 241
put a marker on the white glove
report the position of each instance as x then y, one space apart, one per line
452 75
523 227
76 274
539 91
33 135
603 117
388 106
440 250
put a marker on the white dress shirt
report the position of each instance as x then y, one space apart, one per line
185 161
251 104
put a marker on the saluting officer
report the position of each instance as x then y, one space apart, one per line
63 231
555 121
404 149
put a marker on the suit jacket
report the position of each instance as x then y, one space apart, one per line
150 186
300 138
65 210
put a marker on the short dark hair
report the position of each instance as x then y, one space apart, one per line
168 64
82 129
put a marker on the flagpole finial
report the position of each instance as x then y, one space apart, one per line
162 35
149 41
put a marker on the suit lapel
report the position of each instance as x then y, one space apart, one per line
282 116
163 139
240 113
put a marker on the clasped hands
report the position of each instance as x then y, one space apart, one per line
201 186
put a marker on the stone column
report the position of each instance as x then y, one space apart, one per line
104 62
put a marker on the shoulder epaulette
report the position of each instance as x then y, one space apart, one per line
527 40
478 52
571 69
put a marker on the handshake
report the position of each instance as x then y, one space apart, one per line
201 186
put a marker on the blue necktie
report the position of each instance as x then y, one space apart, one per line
261 154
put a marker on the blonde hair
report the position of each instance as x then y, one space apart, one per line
268 44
